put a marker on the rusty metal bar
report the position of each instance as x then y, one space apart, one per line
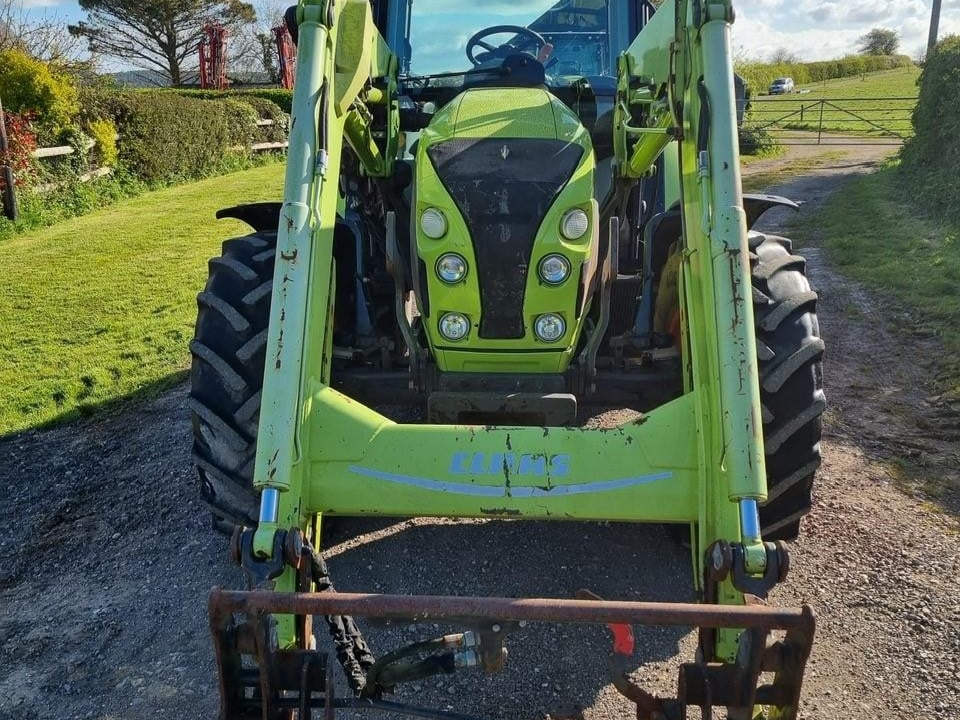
451 608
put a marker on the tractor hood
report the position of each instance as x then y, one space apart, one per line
499 172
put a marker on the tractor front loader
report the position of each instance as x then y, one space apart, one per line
554 222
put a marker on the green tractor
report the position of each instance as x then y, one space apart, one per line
553 222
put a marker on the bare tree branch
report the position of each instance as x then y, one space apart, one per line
158 34
45 38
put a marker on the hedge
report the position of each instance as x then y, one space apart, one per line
278 96
759 75
33 88
931 158
168 136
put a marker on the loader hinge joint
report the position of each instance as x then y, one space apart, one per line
258 571
775 569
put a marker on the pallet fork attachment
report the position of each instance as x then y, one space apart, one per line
301 678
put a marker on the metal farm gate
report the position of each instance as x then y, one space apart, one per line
793 120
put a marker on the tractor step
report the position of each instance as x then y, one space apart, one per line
242 626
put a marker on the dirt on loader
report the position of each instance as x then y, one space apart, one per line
107 555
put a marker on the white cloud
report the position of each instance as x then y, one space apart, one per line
825 29
31 4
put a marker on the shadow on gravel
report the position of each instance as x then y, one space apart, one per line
100 410
566 664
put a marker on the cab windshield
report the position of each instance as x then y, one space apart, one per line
570 37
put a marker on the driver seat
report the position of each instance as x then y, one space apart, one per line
517 70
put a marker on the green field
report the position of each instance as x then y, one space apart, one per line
101 308
863 105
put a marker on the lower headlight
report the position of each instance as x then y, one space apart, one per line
454 326
550 327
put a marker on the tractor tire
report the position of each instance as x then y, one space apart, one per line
790 354
226 376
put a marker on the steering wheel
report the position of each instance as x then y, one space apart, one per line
528 38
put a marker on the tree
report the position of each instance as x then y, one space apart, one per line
44 38
783 56
159 35
253 50
879 41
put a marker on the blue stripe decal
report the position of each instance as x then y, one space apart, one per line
513 491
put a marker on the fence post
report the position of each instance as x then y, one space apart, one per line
9 196
820 125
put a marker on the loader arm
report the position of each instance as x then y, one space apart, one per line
696 460
676 80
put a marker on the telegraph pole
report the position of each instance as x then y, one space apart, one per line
934 26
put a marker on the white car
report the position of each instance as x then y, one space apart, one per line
781 86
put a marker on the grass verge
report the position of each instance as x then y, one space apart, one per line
905 257
756 180
100 309
71 198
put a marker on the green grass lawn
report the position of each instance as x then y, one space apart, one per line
101 308
857 95
909 260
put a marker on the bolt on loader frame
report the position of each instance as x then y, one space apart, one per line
696 460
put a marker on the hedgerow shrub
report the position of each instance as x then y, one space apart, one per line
760 75
104 134
241 121
166 137
278 96
21 141
268 110
30 86
931 158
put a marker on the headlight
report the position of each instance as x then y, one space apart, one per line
451 268
574 224
554 269
454 326
433 223
550 327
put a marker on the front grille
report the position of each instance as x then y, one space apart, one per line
503 189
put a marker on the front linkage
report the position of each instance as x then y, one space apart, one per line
696 460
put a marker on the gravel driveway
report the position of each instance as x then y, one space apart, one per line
107 556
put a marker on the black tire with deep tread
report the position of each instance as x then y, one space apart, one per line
227 375
790 354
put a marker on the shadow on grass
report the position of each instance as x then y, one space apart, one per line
105 409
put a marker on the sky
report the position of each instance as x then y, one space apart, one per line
810 29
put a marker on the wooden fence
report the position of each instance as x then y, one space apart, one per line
9 201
